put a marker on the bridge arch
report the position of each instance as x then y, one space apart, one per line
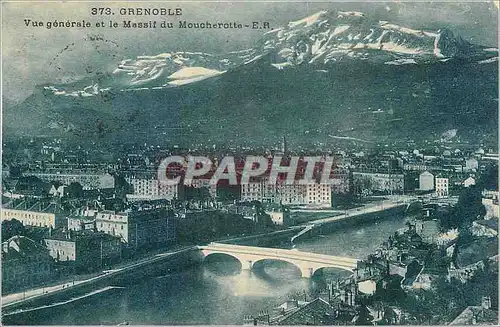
321 270
246 263
308 263
212 258
261 262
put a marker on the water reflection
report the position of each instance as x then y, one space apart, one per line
268 278
222 264
276 271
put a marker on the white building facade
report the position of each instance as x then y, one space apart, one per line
151 189
426 181
442 185
288 194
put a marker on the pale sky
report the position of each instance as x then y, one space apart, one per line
34 55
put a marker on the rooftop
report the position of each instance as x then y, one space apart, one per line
476 315
18 247
39 206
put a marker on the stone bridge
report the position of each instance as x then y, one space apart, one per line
307 262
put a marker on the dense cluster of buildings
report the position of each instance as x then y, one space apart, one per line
79 240
82 217
407 263
146 186
438 168
25 263
39 214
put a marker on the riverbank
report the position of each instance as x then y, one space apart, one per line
36 297
214 293
144 267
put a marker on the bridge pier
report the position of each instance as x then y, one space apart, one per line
306 272
246 264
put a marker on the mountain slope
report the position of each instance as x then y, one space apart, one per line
324 76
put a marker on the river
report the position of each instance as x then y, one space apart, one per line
217 292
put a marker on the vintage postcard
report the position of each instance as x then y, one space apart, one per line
249 163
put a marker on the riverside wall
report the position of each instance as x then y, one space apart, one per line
155 266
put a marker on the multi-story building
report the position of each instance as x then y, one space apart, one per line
426 181
252 191
146 186
419 167
86 249
288 194
39 214
139 227
319 194
442 185
490 202
270 193
25 263
81 223
89 180
259 190
291 194
82 219
471 164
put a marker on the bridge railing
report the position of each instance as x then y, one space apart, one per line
292 254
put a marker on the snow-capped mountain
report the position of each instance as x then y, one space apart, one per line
159 71
330 37
337 74
324 38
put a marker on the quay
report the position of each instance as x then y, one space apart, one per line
18 302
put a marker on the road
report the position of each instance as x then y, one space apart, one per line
14 298
392 202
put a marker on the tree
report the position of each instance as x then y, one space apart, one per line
31 184
227 193
364 317
468 208
197 193
11 228
489 180
122 187
74 190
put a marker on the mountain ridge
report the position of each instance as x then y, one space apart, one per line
321 38
373 94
